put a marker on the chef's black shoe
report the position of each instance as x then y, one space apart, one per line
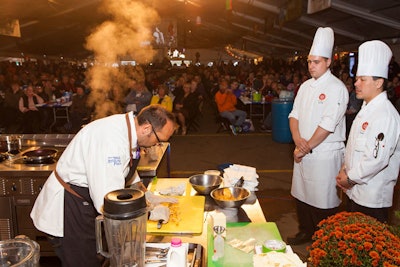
299 239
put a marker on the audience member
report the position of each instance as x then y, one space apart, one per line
31 114
138 97
226 104
12 120
184 107
79 110
162 98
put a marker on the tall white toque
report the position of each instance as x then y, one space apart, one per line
323 43
373 59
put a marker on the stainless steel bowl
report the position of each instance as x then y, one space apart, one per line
230 197
205 183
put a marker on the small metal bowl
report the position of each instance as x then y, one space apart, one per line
205 183
230 197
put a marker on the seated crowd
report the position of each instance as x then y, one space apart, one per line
183 91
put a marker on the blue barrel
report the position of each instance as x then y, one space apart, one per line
280 122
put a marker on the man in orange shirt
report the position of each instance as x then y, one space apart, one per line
226 103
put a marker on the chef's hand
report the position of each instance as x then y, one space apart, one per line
302 146
159 213
341 180
298 155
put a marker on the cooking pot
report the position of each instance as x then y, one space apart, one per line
39 155
10 143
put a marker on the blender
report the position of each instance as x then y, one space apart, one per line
124 219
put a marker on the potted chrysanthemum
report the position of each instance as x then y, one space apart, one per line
354 239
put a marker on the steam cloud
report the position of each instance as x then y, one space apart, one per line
121 36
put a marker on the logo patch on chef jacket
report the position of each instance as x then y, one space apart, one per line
364 126
114 161
321 98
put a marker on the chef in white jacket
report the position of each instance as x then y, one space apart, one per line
317 124
372 157
101 158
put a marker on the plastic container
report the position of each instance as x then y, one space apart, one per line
280 121
177 254
273 245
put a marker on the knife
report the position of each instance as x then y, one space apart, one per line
198 256
160 223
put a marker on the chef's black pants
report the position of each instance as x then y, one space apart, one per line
309 216
78 246
381 214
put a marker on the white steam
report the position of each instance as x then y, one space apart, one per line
121 36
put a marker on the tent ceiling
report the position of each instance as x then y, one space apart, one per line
60 27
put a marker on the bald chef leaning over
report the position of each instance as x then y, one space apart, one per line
101 158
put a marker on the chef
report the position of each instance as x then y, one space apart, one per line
101 158
318 129
372 157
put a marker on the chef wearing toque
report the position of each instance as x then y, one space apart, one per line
317 124
372 157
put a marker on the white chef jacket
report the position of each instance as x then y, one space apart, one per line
98 158
323 103
375 176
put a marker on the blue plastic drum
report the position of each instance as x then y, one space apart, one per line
280 121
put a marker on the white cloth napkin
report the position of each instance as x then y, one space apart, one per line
234 172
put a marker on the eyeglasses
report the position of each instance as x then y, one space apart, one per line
154 132
377 140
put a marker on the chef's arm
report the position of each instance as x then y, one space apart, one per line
318 137
301 143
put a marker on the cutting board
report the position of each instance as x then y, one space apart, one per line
243 231
190 213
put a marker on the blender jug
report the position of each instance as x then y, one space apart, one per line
124 219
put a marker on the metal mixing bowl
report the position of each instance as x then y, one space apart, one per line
230 197
205 183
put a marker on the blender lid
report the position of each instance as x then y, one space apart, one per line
125 203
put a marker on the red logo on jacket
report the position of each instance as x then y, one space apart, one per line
364 126
322 97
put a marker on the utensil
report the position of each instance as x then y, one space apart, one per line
230 197
205 183
155 260
198 256
161 250
240 182
159 224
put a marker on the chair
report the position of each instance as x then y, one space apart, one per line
223 123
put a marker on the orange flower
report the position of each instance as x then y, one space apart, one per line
354 239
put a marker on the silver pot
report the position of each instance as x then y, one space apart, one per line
10 143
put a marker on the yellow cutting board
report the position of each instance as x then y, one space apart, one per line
190 213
